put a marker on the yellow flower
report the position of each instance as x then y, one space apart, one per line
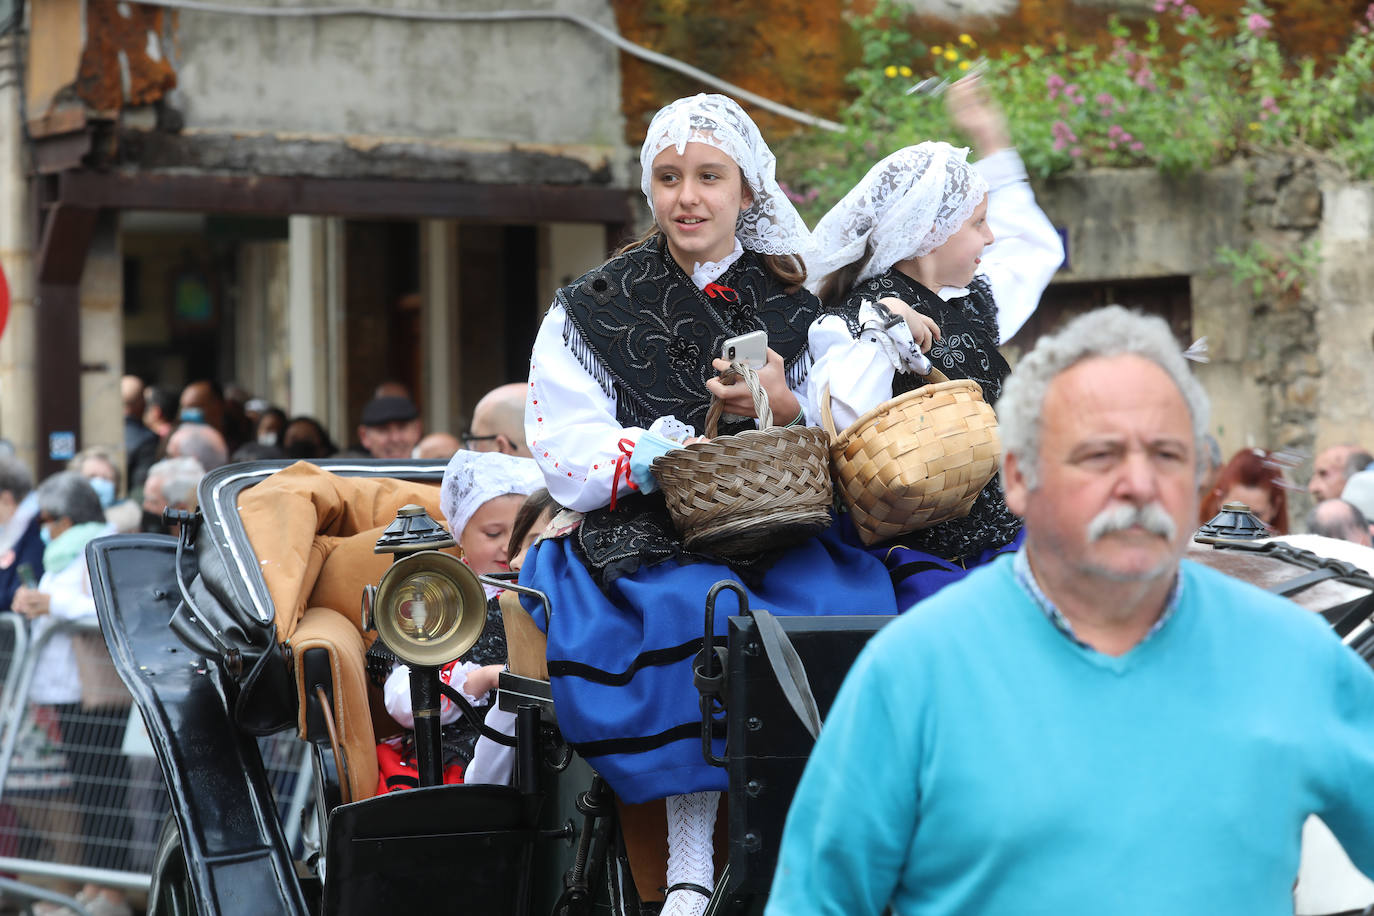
951 54
963 65
904 70
890 71
937 50
965 39
1254 125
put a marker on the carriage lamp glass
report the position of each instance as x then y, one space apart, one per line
420 594
429 608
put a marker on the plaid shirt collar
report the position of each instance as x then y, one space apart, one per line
1026 579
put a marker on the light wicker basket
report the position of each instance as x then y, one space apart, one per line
916 460
737 495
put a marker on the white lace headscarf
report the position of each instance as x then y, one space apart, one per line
473 479
772 225
907 205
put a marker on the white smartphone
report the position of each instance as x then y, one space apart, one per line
748 349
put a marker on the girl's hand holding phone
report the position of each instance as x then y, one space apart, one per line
737 399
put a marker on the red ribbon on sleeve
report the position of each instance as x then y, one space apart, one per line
622 467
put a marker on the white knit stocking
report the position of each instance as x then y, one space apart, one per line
691 830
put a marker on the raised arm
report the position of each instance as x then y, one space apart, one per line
1028 250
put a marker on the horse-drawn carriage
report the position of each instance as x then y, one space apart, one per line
255 618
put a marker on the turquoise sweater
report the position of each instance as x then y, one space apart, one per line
977 761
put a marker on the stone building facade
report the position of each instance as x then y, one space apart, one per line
1289 371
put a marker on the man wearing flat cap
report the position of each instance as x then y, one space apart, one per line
390 427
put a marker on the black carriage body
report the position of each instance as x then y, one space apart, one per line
232 849
767 744
488 849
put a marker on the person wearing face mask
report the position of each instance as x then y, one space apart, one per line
480 495
959 255
21 540
91 727
171 484
304 438
269 427
97 465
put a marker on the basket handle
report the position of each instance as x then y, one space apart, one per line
751 381
935 375
828 421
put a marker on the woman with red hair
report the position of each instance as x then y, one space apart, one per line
1255 478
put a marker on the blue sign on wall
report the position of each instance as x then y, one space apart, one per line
61 446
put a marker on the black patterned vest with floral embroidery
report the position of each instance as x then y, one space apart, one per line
642 329
967 348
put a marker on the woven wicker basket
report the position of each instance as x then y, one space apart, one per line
737 495
916 460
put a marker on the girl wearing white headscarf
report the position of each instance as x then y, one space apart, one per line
479 497
625 346
961 254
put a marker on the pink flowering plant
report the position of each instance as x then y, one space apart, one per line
1135 103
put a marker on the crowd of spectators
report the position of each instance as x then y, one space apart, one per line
70 750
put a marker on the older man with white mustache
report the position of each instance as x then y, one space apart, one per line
1092 725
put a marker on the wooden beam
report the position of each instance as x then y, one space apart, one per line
65 239
61 259
57 365
365 198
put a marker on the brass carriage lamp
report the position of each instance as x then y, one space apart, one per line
428 608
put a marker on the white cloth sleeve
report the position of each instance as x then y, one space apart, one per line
858 371
570 423
396 694
491 762
69 593
1026 250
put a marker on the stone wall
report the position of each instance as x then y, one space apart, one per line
1290 371
371 96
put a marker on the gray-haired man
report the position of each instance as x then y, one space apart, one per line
1091 725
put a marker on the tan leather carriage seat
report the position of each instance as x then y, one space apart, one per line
313 533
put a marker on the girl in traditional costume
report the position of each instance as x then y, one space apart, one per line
916 236
630 346
480 497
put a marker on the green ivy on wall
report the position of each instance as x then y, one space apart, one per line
1135 103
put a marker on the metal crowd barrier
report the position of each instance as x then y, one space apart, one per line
82 799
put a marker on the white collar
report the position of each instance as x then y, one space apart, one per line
704 275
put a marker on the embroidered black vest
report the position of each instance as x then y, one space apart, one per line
967 348
642 329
